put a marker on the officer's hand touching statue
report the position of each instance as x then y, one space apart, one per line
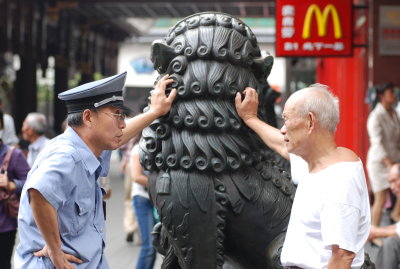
159 102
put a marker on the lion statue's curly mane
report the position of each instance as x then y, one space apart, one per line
219 191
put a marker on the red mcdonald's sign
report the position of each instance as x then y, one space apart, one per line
314 28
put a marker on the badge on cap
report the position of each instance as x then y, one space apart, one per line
107 91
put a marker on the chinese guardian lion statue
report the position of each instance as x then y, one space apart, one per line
218 190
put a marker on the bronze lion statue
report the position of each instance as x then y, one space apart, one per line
220 193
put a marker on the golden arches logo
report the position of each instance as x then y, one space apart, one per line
322 19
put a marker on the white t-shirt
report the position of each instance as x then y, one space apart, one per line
298 168
137 189
331 207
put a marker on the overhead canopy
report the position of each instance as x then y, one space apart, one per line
173 8
113 14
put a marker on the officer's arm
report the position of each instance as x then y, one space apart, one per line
160 104
247 110
341 258
46 220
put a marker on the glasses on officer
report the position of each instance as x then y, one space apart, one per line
118 116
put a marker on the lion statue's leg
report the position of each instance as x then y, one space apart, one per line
192 211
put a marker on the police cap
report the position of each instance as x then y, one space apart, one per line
103 92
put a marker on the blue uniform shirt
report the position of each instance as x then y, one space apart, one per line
67 174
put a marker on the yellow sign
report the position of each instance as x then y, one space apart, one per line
322 19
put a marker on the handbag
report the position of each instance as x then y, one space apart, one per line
9 200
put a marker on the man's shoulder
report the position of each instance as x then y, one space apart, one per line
44 138
59 148
378 112
43 141
343 166
346 155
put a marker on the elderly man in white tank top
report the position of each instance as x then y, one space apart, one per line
330 218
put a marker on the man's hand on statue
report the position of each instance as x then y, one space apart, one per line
159 102
59 259
247 108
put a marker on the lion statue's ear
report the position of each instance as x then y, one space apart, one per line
161 55
262 67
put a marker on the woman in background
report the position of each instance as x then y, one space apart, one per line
144 210
11 181
384 134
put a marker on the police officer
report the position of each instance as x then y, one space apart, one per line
61 218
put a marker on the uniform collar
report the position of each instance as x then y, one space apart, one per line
91 161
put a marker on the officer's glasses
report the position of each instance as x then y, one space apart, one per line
118 116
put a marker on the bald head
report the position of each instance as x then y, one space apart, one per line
318 99
394 178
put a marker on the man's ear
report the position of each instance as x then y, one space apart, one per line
311 120
87 117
